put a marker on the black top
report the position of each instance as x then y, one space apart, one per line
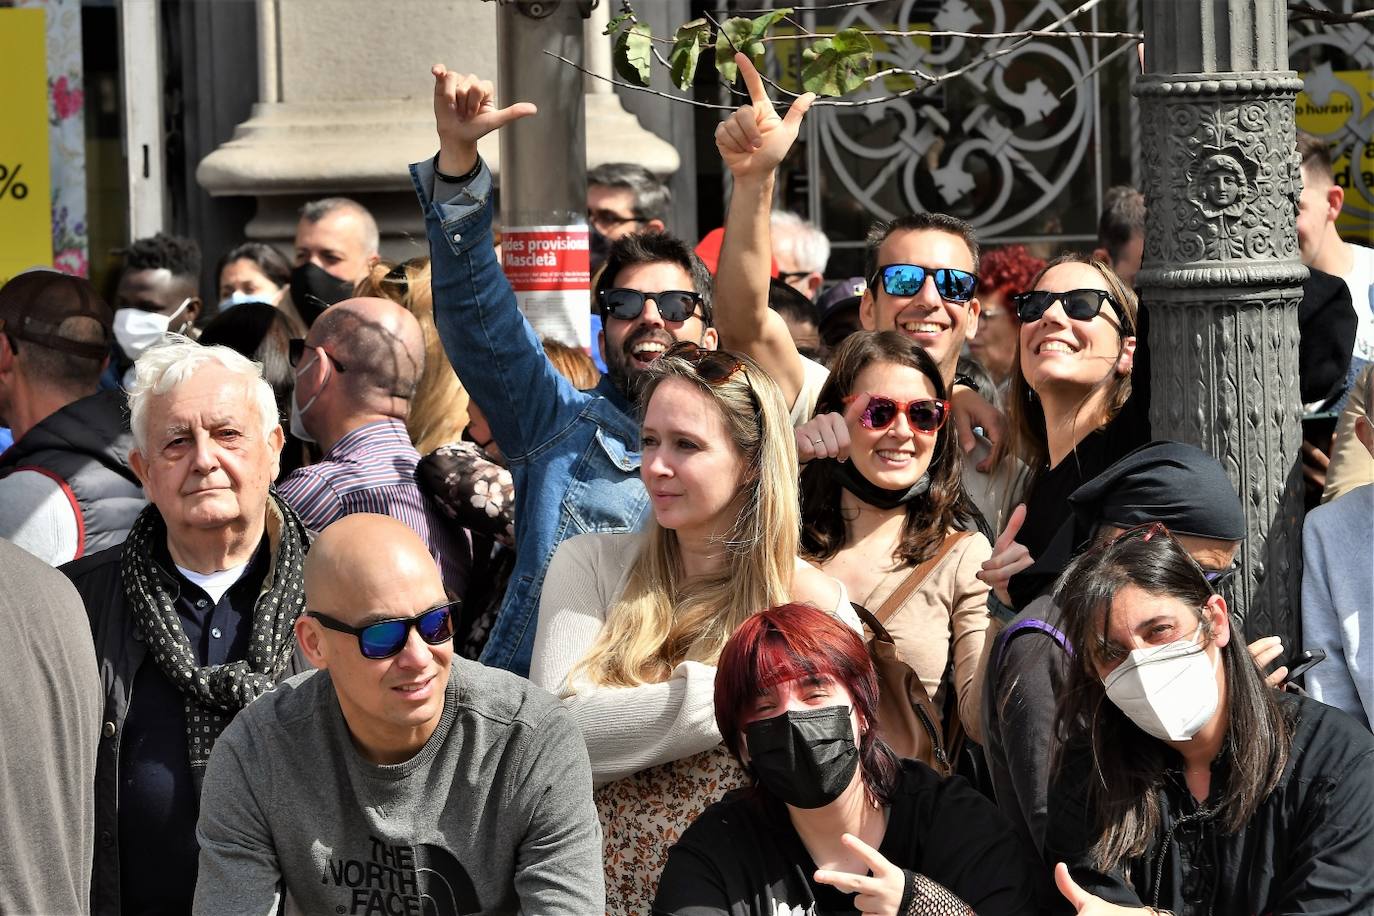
1309 848
158 804
1048 529
742 856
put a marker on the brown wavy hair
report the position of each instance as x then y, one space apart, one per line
929 517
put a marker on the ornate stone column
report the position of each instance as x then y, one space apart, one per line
1221 275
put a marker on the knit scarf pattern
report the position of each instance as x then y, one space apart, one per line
214 693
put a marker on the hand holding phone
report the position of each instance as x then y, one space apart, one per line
1303 662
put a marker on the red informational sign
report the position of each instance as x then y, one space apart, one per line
549 268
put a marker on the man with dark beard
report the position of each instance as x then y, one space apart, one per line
574 455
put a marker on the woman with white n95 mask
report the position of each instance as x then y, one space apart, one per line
1184 783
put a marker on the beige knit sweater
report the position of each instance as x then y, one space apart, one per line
626 728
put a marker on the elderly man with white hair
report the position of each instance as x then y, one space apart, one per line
193 616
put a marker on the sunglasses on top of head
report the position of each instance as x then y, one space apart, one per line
907 280
925 415
628 304
1079 304
386 638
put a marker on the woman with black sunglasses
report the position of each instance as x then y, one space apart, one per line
631 625
1184 783
891 502
1071 413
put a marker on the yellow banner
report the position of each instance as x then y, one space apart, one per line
1338 106
25 187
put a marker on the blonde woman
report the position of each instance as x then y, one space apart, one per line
439 409
631 625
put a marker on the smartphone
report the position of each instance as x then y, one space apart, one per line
1305 661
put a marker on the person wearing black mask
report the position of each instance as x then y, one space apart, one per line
336 245
835 822
623 198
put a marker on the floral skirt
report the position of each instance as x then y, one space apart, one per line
643 815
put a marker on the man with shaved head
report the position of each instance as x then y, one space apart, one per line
398 778
356 373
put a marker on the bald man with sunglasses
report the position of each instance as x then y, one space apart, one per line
396 778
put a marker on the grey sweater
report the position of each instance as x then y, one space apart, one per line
493 815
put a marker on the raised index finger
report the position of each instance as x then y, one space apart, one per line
1018 518
758 96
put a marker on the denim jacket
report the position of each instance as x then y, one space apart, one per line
574 455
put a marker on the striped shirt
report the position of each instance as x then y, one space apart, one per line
372 469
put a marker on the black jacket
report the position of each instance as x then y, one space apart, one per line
86 446
120 651
1308 849
1327 325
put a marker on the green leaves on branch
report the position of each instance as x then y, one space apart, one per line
837 66
832 66
687 45
633 51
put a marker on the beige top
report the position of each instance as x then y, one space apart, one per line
627 729
1351 464
950 608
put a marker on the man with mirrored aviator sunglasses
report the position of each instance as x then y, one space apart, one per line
574 455
450 787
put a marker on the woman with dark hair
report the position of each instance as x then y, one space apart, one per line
1184 783
1070 412
263 334
251 272
892 500
834 822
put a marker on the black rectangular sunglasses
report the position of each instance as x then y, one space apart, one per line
386 638
628 304
1079 304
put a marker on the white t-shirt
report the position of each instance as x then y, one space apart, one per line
214 584
1360 279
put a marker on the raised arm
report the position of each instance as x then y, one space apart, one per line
493 349
752 142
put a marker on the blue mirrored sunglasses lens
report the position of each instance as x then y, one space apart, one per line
903 279
957 285
383 639
437 625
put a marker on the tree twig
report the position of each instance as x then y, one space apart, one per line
1096 67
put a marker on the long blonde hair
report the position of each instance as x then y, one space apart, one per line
439 410
662 618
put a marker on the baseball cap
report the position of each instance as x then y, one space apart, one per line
34 304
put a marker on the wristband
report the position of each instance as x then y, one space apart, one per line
457 179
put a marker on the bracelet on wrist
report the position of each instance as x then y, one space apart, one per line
457 179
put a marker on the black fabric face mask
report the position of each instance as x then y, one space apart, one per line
313 289
806 758
599 248
844 474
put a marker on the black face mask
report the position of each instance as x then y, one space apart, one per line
599 248
844 474
806 758
313 289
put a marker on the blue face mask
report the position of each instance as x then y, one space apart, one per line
239 297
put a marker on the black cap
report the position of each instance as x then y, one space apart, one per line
34 304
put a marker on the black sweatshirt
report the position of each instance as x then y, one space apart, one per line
1309 848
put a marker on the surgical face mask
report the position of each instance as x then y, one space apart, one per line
1168 691
314 289
136 330
238 297
297 412
806 758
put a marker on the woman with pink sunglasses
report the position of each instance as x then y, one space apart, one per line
889 503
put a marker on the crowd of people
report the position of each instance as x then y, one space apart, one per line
341 590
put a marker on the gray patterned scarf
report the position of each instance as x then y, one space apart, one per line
213 694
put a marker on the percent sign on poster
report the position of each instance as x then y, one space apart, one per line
25 191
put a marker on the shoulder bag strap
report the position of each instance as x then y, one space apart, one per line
917 576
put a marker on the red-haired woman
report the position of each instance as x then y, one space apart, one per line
1001 272
834 823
